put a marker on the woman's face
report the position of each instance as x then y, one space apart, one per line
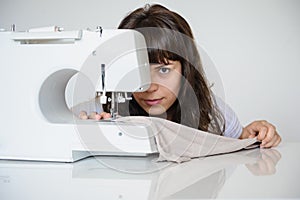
164 88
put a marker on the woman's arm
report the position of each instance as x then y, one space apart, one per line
263 130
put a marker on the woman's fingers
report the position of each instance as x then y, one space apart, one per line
105 115
265 132
94 115
83 115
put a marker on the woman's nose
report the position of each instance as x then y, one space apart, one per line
153 87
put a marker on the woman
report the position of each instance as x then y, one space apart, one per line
179 91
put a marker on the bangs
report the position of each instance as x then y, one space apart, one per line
161 56
162 45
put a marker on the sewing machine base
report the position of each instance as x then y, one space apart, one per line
75 142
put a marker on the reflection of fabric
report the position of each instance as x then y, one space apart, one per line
179 143
199 178
170 187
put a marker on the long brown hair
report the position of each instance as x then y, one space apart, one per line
169 37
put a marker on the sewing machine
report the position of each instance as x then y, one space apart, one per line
37 66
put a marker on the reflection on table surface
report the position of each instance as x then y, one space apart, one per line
255 173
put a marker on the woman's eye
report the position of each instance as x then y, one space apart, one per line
164 70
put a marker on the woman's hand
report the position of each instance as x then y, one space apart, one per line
94 115
264 131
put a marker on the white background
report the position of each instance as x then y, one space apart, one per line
255 45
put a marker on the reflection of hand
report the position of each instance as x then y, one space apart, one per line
94 115
266 165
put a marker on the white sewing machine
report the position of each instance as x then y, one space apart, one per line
37 65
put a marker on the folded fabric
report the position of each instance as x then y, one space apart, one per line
179 143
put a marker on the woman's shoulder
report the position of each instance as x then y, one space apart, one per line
233 127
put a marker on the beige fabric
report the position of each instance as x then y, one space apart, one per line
179 143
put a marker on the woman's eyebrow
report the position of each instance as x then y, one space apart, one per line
163 65
157 65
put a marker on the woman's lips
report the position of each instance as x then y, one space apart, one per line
152 102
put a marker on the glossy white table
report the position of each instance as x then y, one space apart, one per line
257 173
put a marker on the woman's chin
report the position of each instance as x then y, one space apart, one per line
157 111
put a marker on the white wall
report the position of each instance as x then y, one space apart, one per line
255 45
